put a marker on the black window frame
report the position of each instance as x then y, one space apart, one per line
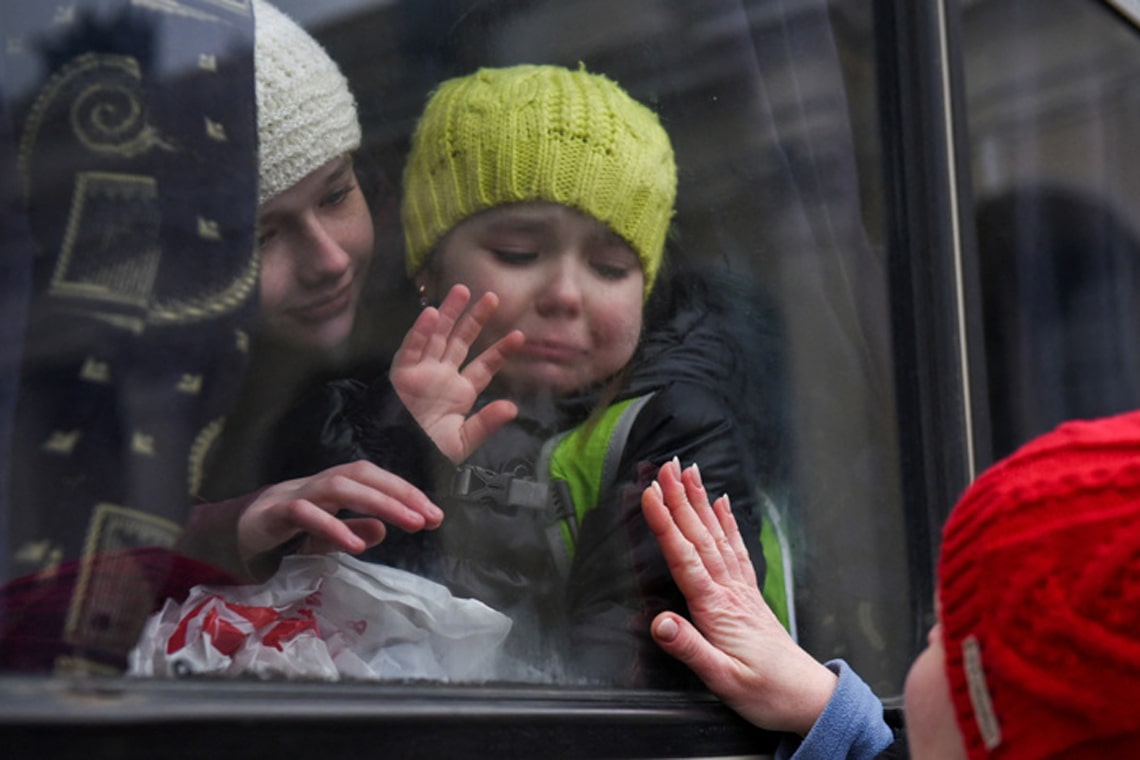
940 423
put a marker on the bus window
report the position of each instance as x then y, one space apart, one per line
140 388
790 212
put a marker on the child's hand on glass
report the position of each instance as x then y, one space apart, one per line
431 378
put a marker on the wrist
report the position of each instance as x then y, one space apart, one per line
819 687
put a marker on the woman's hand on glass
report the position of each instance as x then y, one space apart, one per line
735 643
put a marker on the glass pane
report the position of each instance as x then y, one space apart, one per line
1052 108
765 338
129 175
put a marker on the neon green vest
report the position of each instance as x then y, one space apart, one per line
583 462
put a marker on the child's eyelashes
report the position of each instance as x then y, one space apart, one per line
514 258
611 271
604 269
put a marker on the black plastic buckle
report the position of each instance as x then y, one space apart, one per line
480 484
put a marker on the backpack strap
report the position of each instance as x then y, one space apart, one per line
582 464
779 586
574 468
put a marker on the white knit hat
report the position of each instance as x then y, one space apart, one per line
306 115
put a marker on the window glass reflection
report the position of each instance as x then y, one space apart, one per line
133 148
770 305
1050 129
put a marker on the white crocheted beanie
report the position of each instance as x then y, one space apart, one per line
306 115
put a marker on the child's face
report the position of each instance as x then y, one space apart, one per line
932 727
315 243
572 286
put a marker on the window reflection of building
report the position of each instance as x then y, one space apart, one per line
1060 280
1053 110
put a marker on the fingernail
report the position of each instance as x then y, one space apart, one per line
677 464
657 488
667 629
696 473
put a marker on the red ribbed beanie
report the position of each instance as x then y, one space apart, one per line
1039 586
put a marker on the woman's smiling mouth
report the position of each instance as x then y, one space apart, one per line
325 308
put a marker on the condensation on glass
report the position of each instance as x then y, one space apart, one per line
771 107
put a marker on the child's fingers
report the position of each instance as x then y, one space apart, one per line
480 371
411 350
455 302
486 422
449 312
467 328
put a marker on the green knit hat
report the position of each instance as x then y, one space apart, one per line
539 133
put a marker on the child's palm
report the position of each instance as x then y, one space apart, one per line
439 398
429 375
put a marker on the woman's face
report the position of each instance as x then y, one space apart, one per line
315 243
932 727
572 286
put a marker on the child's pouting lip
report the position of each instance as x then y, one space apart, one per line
552 351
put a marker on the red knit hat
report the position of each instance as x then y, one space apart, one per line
1040 598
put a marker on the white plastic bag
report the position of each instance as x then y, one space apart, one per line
325 616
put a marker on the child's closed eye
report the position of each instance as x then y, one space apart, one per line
609 271
515 258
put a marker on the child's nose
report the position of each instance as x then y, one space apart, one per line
562 292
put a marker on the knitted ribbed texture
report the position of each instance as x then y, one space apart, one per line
539 133
306 115
1040 594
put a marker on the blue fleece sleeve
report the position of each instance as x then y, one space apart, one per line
851 727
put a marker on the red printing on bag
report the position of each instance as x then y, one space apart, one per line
287 629
259 616
226 637
178 638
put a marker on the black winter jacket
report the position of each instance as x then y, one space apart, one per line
707 364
